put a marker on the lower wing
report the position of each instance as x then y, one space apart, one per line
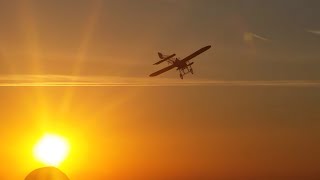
162 70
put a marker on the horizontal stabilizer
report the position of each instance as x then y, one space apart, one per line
165 59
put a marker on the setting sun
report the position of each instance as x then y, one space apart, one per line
51 149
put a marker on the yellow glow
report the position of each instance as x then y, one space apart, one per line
51 150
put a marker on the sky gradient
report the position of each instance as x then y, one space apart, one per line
80 69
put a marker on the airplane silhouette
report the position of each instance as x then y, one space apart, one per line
183 65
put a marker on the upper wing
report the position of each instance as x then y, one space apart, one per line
165 59
200 51
162 70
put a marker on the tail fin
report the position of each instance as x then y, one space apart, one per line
160 55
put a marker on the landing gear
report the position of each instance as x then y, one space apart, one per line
185 70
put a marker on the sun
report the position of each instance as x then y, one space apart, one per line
51 149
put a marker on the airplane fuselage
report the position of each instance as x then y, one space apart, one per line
181 65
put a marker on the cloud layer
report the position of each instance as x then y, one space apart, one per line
61 80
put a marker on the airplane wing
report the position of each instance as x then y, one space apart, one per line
162 70
200 51
165 59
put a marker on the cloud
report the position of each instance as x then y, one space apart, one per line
316 32
249 36
91 81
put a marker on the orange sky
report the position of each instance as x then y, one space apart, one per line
250 110
137 131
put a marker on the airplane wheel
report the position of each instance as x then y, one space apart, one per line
181 76
191 70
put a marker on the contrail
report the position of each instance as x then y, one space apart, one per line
104 81
260 37
248 36
316 32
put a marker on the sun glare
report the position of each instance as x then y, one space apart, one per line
51 149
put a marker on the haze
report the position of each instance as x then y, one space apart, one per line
80 68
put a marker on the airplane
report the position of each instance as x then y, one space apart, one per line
183 65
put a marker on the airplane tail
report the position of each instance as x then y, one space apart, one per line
160 55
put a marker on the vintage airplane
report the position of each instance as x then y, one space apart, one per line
183 65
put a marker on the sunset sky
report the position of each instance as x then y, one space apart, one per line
80 69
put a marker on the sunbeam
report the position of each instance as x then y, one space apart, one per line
88 32
33 53
9 65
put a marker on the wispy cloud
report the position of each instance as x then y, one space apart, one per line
316 32
91 81
249 36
